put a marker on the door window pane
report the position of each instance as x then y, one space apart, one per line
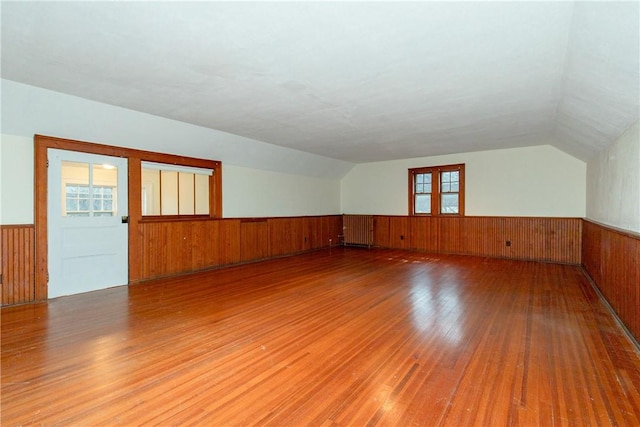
88 190
75 188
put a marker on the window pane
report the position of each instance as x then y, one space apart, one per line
446 177
173 192
446 187
105 184
83 205
107 205
455 187
186 190
420 178
74 180
423 204
202 194
449 203
455 176
427 188
150 192
419 188
427 177
169 190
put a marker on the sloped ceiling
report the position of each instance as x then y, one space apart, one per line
356 81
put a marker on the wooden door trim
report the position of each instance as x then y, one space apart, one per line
43 143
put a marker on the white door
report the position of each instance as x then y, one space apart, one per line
87 217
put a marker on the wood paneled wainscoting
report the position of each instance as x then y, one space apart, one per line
17 243
526 238
178 247
612 259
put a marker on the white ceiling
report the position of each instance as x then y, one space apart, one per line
363 81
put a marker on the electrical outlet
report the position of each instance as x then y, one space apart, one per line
508 243
401 237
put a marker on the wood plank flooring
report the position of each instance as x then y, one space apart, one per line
337 337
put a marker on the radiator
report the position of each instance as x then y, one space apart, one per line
357 229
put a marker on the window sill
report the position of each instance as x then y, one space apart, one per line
175 218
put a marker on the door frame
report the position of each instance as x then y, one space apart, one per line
134 158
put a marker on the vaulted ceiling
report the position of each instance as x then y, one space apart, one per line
357 81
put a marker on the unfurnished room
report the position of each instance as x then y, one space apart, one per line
320 213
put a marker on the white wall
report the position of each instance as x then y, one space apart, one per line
613 183
28 110
530 181
252 192
16 180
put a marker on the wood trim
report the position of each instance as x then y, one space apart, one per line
215 193
135 215
17 255
628 233
135 157
610 258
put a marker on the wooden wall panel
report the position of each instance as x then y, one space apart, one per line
17 243
450 232
399 232
228 241
173 247
612 259
312 233
381 231
331 230
254 240
542 239
285 236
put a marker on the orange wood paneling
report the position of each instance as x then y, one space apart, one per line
612 259
541 239
381 231
285 236
331 230
399 232
312 233
424 233
176 247
17 243
254 240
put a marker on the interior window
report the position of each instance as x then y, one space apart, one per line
174 190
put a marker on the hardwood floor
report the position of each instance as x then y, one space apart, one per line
336 337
